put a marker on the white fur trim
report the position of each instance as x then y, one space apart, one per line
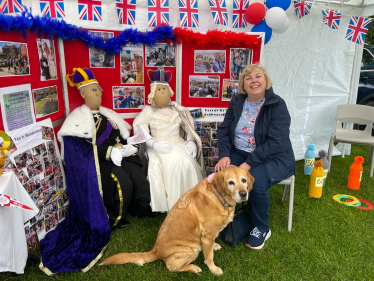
80 123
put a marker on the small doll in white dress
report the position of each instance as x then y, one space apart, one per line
175 158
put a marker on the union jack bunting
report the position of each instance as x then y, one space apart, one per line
158 12
52 8
331 18
357 29
126 11
219 11
11 6
302 8
238 13
188 13
89 10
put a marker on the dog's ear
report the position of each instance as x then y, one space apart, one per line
218 181
250 180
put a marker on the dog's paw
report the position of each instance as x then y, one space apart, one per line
216 270
217 247
195 268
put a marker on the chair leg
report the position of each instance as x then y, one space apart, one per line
290 206
343 151
370 155
285 191
331 147
372 162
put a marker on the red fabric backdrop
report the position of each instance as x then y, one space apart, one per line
34 77
188 69
77 55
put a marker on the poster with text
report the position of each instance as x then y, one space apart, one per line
16 107
38 167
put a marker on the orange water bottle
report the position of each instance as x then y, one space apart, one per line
355 173
316 180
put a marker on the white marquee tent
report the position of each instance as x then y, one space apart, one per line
314 68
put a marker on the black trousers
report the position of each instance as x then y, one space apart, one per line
130 191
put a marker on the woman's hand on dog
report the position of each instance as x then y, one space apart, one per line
223 163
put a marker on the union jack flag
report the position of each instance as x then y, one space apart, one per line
126 11
11 6
188 13
331 18
238 13
158 12
89 10
52 8
219 11
302 8
357 29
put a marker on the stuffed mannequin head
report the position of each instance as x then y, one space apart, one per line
92 95
161 91
87 85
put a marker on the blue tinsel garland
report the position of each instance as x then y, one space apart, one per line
26 22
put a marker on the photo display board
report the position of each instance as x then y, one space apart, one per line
123 77
207 73
33 60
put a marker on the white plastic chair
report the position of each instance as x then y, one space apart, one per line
289 183
353 113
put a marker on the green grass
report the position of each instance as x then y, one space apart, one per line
329 241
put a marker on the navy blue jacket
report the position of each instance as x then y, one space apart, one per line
272 130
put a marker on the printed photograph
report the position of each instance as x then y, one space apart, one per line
47 133
14 59
229 89
98 58
47 59
208 61
239 58
24 159
22 177
132 64
196 113
160 55
128 97
51 150
62 212
45 101
40 150
35 169
51 222
204 86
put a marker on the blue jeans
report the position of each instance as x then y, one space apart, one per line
259 198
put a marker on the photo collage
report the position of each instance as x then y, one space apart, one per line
14 61
132 71
40 172
210 62
209 138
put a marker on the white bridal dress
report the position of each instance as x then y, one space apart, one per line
170 174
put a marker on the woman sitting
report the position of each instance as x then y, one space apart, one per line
255 136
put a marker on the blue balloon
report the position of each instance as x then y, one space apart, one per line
284 4
263 27
128 51
166 47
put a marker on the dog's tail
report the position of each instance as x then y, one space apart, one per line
137 258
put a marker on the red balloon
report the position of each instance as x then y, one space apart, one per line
255 13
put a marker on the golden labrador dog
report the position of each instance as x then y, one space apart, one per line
194 222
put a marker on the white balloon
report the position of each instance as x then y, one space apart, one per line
275 17
256 1
283 28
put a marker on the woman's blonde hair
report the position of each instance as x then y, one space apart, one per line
247 71
153 92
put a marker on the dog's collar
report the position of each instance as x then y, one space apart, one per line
223 201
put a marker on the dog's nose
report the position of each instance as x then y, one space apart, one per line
243 193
